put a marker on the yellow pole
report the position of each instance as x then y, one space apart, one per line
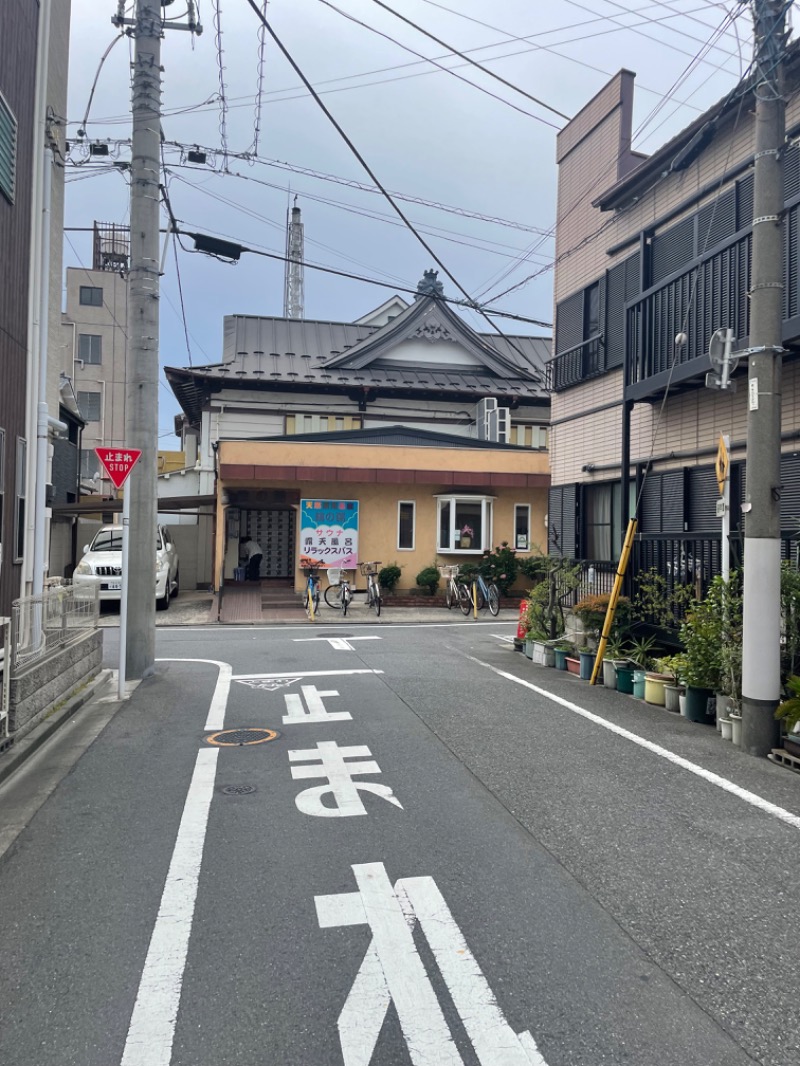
475 599
614 597
310 603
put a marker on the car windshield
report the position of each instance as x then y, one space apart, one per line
108 540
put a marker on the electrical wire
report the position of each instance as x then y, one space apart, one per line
436 63
85 122
223 103
262 46
535 373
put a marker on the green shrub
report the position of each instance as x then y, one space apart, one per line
388 576
429 579
500 566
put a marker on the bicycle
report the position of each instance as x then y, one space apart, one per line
370 572
456 592
312 591
338 594
481 595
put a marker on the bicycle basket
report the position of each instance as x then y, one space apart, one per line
367 569
334 574
448 570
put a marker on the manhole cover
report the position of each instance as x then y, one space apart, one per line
237 790
236 738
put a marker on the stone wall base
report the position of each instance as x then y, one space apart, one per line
45 686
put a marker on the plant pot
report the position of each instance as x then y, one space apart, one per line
682 701
542 654
722 707
654 685
697 704
791 743
528 648
672 698
725 728
609 673
560 655
639 678
587 664
736 729
466 542
625 679
574 666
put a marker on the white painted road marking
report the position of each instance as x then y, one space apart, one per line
290 676
297 713
337 643
505 639
393 971
219 701
152 1026
330 762
700 771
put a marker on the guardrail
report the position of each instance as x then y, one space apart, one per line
43 625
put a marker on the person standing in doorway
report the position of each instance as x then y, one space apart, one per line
252 553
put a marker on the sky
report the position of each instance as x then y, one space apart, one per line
482 149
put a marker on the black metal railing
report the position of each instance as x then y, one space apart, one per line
576 364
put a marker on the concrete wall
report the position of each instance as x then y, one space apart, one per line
46 685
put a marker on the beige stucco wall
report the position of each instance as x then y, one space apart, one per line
378 502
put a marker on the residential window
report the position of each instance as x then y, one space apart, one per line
89 406
90 296
522 527
529 436
90 348
8 150
301 423
599 521
19 499
90 464
406 513
465 523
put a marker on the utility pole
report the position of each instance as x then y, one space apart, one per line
141 389
762 551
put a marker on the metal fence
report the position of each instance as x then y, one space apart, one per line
5 682
43 625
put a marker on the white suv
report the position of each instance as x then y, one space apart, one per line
101 566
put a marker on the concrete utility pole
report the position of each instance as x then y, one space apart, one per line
141 395
762 551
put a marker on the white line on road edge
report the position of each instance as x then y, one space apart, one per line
308 640
155 1013
214 630
700 771
219 701
302 673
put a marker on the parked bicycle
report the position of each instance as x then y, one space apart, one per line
312 590
370 572
455 592
481 595
338 594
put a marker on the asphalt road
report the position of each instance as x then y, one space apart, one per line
431 863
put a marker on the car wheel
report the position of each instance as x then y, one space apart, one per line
177 588
163 603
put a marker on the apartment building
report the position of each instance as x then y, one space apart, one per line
653 256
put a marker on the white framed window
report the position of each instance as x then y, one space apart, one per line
20 494
464 523
90 348
522 526
406 525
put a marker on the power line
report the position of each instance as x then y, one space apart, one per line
262 44
472 62
321 104
223 103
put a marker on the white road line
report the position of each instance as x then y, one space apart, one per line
503 637
700 771
308 640
302 673
214 630
219 701
152 1027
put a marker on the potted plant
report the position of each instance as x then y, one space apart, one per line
789 714
388 576
587 657
640 653
671 666
573 663
560 653
701 635
613 659
467 533
429 578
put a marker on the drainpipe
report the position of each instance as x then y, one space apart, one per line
42 415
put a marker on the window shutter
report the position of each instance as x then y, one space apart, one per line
8 149
790 493
622 284
791 172
569 322
662 506
716 221
672 250
744 202
790 300
703 496
561 522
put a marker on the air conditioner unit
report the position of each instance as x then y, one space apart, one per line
485 407
500 425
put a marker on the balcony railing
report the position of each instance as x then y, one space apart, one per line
576 364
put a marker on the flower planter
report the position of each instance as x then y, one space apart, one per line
625 679
697 704
791 743
543 654
722 705
736 729
609 673
682 702
587 664
726 728
573 666
639 678
528 649
654 685
672 698
560 655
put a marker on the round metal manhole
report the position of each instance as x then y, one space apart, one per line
237 738
237 790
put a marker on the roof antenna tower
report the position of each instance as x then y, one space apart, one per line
293 281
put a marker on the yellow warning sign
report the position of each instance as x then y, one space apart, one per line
722 465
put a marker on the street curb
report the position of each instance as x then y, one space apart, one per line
19 752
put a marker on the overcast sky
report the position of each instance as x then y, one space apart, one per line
424 132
